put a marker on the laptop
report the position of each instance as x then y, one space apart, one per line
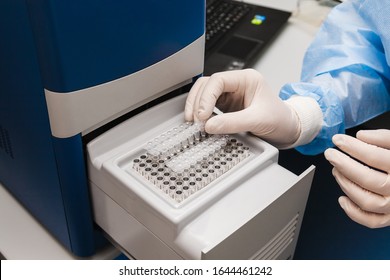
237 32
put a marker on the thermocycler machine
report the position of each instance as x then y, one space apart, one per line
163 189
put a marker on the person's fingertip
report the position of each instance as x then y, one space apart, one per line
188 116
329 154
213 126
338 140
343 202
363 133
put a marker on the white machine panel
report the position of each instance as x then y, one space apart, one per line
164 189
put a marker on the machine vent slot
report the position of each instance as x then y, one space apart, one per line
275 247
5 142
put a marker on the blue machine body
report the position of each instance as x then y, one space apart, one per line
65 46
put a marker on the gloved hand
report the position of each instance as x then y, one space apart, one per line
366 183
248 105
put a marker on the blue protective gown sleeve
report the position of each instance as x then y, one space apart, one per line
346 69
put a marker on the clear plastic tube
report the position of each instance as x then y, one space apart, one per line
185 159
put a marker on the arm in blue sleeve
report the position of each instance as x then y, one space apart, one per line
346 69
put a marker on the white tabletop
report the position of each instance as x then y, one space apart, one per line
22 237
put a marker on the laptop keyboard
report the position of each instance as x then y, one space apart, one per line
222 16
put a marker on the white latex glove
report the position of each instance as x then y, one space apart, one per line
365 180
248 104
